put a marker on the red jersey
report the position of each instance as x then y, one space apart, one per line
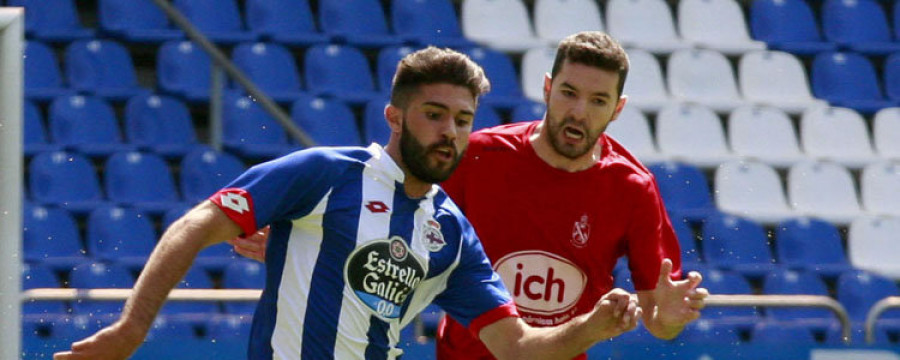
554 236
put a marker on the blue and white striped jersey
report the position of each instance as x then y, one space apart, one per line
351 258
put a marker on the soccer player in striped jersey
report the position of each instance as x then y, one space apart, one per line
361 240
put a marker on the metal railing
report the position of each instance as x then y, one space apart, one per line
787 301
875 311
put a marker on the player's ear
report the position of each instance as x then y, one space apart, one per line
394 117
619 106
547 81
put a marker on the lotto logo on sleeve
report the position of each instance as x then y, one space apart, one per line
238 205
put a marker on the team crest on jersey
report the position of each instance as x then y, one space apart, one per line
382 275
432 236
581 232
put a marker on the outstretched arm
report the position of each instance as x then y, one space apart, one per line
204 225
672 304
511 338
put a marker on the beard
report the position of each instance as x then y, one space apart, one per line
555 130
415 156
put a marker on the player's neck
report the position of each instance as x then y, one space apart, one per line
413 186
540 140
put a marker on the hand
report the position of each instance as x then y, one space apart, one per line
678 302
115 342
615 313
253 246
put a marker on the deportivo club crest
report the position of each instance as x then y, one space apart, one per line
581 232
382 275
432 236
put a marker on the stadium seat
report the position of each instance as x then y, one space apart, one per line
704 331
836 134
428 22
870 241
250 132
777 79
243 274
50 238
684 189
486 117
328 121
136 21
120 235
823 189
204 171
765 134
103 68
646 88
66 180
99 275
751 189
644 24
229 329
43 78
703 76
386 65
631 128
40 276
848 79
288 22
879 186
811 244
52 20
858 290
793 282
218 20
536 63
87 124
341 72
161 124
557 19
506 93
782 334
183 69
359 23
503 25
375 127
886 133
530 111
35 133
738 244
716 24
141 180
787 25
692 133
729 283
892 76
271 67
171 337
859 26
198 311
690 254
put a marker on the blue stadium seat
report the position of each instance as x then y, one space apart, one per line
849 80
141 180
99 275
811 244
35 140
859 25
684 189
43 78
40 276
243 274
327 121
708 332
228 329
339 71
196 278
858 290
528 111
52 20
50 237
161 124
428 22
87 124
172 332
120 235
174 214
219 20
137 21
39 335
506 92
375 127
782 333
67 180
730 283
834 335
790 282
272 67
485 117
892 73
103 68
356 22
250 132
787 25
690 254
738 244
205 171
289 22
386 65
183 69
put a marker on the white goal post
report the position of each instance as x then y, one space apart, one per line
12 37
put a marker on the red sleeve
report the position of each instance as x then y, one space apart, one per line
651 239
237 204
490 317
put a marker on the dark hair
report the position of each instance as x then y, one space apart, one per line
593 48
432 66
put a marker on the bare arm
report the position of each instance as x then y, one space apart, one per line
511 338
202 226
672 304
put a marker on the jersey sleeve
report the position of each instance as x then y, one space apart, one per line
651 239
287 186
475 295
